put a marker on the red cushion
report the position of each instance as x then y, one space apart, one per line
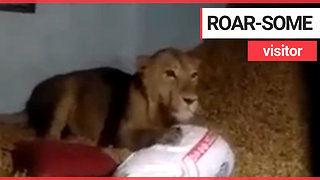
53 158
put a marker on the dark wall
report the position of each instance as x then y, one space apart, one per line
23 8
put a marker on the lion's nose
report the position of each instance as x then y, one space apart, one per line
190 100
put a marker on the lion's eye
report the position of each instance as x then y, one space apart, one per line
194 75
170 73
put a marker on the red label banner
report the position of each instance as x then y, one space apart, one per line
282 50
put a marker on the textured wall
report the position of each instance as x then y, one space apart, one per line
259 106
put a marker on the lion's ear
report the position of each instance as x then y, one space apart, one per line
142 62
197 61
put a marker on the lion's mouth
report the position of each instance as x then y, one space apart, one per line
183 116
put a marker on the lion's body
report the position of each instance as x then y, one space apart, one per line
79 102
111 107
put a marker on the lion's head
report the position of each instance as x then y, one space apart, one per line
170 77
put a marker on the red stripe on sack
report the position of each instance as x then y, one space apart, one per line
201 147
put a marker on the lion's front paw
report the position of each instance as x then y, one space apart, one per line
172 137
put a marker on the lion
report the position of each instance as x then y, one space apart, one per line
111 107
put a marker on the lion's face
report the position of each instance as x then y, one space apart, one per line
171 77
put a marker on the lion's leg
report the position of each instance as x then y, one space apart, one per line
62 112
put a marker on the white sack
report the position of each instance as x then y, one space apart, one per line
200 153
